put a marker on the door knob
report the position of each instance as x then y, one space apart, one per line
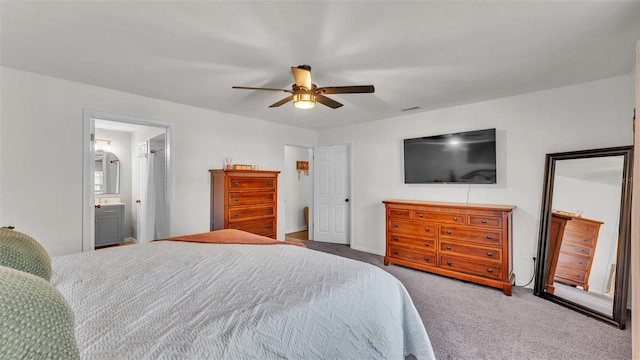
346 200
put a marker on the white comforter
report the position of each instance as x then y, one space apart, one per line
173 300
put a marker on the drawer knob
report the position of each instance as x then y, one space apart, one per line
584 251
396 252
449 232
420 215
235 183
426 244
395 225
455 219
237 199
427 229
448 247
399 212
236 214
585 240
269 211
489 237
269 226
489 270
269 183
395 238
483 221
448 262
426 259
489 253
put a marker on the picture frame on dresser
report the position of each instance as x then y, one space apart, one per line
470 242
584 245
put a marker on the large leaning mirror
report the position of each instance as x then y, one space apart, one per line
583 255
107 173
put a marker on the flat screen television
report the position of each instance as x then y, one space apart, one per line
456 158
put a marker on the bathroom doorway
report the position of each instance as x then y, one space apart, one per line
123 135
298 185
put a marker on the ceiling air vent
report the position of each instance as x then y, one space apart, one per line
411 108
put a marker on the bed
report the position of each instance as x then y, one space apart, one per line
191 300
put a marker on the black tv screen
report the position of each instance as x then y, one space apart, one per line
457 158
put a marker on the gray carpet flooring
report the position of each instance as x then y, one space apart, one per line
469 321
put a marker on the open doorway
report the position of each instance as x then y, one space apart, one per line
298 185
107 193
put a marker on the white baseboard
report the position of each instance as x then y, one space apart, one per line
370 251
296 229
130 239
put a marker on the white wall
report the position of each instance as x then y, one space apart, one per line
585 116
43 117
297 188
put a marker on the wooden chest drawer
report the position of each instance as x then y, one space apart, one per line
402 240
394 213
570 274
251 183
262 227
244 213
420 228
485 269
579 237
575 261
470 250
451 218
409 254
251 198
485 221
576 248
487 237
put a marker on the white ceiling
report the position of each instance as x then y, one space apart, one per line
429 54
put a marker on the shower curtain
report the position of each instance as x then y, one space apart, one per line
152 220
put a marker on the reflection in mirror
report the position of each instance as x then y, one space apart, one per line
107 173
584 224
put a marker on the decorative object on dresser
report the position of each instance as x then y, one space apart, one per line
572 244
244 200
464 241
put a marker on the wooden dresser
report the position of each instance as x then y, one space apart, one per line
464 241
572 244
245 200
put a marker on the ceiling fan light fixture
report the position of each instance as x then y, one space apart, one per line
304 101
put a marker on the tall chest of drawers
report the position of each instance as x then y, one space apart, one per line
245 200
463 241
572 244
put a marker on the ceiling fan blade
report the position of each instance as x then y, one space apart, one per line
356 89
302 76
257 88
283 101
328 102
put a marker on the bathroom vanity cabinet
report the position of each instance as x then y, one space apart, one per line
109 224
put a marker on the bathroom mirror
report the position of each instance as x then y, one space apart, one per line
107 173
583 254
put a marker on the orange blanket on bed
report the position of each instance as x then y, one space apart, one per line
231 236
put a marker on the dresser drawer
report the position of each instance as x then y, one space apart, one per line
487 237
469 250
575 248
485 269
251 183
244 213
251 198
485 221
575 261
262 227
579 237
394 213
418 228
409 254
451 218
426 243
570 274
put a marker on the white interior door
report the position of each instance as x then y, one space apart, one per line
331 194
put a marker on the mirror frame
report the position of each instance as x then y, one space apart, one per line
619 314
